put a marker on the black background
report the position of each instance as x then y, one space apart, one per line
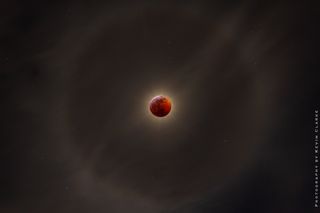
76 77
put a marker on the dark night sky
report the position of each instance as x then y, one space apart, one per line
76 134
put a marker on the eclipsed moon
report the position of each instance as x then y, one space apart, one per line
160 106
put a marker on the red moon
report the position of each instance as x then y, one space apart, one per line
160 106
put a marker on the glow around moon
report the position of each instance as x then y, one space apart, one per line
174 103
